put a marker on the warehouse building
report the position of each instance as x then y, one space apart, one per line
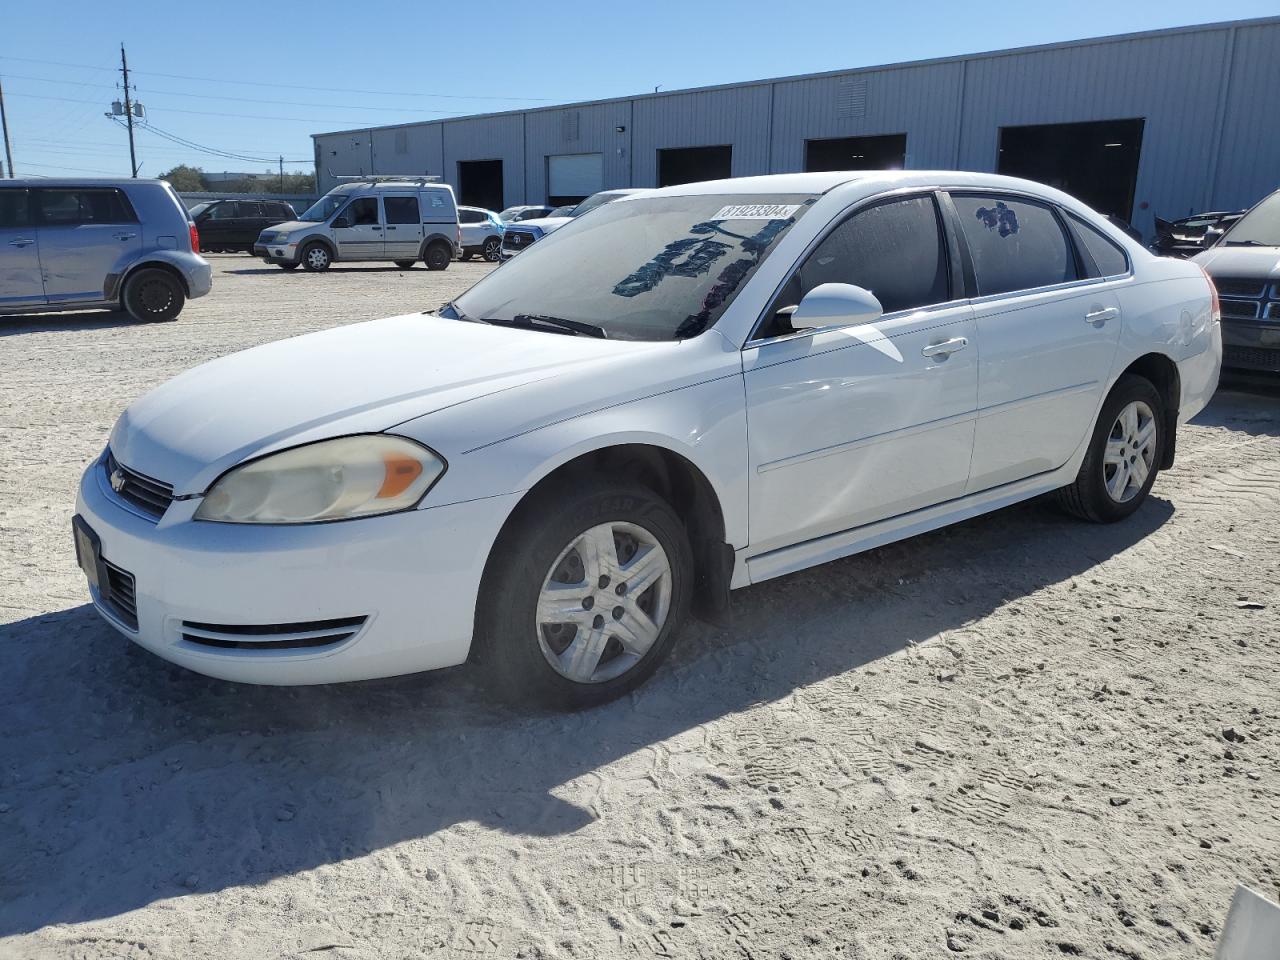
1167 122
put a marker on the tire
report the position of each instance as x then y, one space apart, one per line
316 257
438 256
540 547
288 266
1124 454
493 249
153 296
465 255
405 264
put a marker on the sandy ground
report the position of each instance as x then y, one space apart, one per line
1019 737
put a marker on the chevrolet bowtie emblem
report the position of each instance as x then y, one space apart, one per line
117 480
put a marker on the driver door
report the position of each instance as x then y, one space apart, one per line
357 230
850 425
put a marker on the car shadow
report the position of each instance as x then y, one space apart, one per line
1247 403
128 780
12 325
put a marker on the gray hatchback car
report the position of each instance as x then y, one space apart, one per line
77 244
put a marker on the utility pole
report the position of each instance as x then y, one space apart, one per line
4 122
128 113
282 173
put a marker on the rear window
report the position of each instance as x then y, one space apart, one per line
13 209
1016 244
69 207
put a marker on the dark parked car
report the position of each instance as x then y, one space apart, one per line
1190 235
231 226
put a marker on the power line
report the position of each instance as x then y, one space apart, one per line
201 113
290 86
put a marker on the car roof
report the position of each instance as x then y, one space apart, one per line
463 206
78 182
819 183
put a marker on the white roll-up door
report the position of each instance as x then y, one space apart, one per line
575 175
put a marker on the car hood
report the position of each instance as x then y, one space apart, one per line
290 225
545 224
361 378
1247 262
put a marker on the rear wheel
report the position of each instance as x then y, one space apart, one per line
405 264
316 257
438 256
1123 456
584 595
153 295
493 249
464 255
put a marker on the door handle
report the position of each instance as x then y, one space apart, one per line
390 228
124 236
946 348
377 228
21 242
1100 315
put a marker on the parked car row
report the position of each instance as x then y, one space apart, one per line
234 225
524 233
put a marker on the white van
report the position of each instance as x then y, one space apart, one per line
400 219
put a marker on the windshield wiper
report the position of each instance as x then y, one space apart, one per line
1245 243
559 324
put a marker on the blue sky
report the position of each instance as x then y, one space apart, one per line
255 80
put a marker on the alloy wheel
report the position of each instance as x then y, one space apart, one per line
1130 454
317 258
603 602
492 250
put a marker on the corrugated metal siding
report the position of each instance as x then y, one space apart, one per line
1249 155
1172 82
597 125
921 102
1208 103
738 117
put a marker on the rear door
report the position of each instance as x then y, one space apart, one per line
219 225
20 281
404 226
357 230
474 226
251 222
85 234
1047 333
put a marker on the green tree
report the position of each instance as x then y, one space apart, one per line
185 178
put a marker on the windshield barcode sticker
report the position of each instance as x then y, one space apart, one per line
757 211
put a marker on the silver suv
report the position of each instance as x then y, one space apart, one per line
76 244
400 219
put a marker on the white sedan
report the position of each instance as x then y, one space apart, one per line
685 392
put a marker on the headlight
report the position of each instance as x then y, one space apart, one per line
282 238
331 480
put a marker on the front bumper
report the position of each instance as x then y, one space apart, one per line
1250 345
276 252
413 577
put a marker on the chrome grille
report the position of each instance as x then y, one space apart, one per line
518 238
1248 299
272 636
1236 287
121 594
1240 309
150 496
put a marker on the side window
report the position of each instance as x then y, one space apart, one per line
105 206
893 249
1106 254
1015 244
250 209
283 211
470 216
363 212
401 209
56 208
13 209
225 211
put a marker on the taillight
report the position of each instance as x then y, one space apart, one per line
195 238
459 236
1215 306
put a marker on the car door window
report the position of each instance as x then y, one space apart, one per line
470 216
1108 258
401 209
894 249
250 209
13 209
57 207
224 211
1015 244
362 212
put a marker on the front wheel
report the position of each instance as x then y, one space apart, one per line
583 595
315 257
153 295
493 249
287 266
1123 456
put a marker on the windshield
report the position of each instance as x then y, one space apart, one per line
1259 227
660 268
593 201
324 208
198 209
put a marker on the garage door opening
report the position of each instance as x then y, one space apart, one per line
1096 162
691 164
573 177
888 152
480 183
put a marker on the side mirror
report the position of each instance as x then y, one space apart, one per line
835 305
1212 236
341 221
